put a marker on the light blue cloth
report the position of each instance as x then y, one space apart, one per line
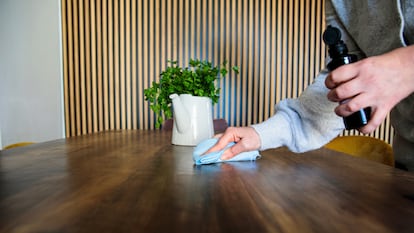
214 157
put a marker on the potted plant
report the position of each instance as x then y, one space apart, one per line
196 80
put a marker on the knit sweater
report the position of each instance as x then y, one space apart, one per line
368 28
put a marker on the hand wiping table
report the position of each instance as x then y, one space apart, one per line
215 157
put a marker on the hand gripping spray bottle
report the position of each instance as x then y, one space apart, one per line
338 52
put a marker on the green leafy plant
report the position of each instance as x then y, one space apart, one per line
198 79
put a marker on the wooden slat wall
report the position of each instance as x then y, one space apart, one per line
113 50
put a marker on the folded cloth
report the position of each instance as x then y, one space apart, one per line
214 157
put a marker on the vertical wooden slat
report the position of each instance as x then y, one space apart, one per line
128 83
170 26
71 74
261 60
227 55
221 54
88 78
116 58
319 30
256 60
110 100
93 12
209 22
283 53
82 68
122 65
232 109
107 42
300 44
174 35
294 49
65 54
312 38
134 32
76 55
250 65
157 38
279 48
198 29
267 58
273 61
162 35
239 55
140 74
290 42
100 56
203 23
216 31
180 27
306 53
145 59
150 59
70 131
185 32
244 64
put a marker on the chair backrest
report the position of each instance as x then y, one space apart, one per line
17 145
365 147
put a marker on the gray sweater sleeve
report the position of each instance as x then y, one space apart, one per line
302 124
308 122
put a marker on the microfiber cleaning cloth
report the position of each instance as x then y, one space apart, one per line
214 157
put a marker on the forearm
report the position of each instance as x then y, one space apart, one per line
302 124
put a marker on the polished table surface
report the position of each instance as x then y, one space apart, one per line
136 181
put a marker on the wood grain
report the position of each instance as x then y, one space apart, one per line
136 181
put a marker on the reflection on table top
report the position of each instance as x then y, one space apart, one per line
136 181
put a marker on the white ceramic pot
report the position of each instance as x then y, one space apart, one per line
193 119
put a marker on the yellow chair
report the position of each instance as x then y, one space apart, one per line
365 147
17 145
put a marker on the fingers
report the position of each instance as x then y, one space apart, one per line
377 117
378 114
245 138
224 139
341 75
349 106
345 91
344 87
233 151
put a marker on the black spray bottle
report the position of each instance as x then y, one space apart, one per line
338 52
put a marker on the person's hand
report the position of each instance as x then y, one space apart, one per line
379 82
246 139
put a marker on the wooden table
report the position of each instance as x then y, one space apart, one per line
136 181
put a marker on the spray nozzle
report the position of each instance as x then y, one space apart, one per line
332 37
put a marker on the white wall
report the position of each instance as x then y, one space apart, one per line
30 71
